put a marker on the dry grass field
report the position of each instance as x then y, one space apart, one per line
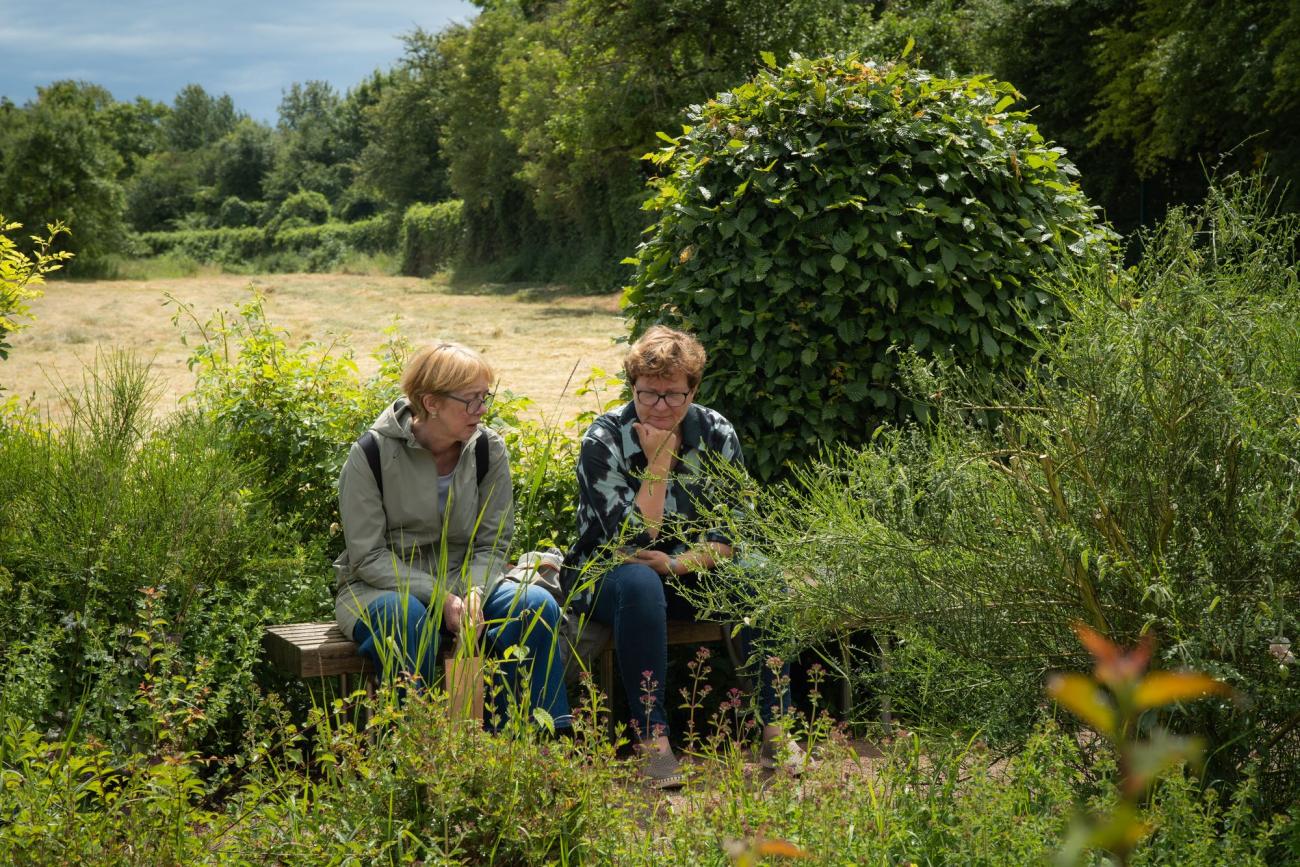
533 337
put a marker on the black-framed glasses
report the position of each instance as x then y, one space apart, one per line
674 399
478 403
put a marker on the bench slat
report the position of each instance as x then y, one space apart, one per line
313 650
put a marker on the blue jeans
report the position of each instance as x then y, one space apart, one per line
634 601
513 614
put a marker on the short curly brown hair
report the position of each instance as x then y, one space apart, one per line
666 352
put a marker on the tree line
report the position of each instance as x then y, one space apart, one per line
537 114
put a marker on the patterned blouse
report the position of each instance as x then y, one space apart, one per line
611 466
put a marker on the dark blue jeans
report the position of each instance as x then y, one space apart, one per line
634 601
513 614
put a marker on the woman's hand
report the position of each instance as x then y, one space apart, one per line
659 446
656 560
473 609
453 613
462 614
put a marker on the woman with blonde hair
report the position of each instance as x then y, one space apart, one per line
427 511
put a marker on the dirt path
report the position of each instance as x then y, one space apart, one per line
533 337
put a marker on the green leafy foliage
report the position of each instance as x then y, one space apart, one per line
824 215
302 247
432 237
58 161
20 275
113 502
292 412
303 208
1142 477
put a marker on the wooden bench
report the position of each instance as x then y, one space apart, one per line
308 650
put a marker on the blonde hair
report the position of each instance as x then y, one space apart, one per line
442 368
665 352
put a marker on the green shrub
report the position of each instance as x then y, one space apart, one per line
293 412
368 236
1142 478
236 213
112 503
216 246
294 244
432 237
307 205
20 274
821 215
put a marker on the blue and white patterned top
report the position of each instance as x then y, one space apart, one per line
611 467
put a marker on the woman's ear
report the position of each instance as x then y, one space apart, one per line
430 404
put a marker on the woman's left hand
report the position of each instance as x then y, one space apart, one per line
656 560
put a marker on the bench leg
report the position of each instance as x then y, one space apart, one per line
607 684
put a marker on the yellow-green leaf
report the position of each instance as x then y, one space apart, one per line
1166 687
1083 698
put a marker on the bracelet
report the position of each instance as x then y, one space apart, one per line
672 565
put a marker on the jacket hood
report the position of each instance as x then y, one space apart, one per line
395 421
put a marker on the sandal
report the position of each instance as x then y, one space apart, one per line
663 771
795 757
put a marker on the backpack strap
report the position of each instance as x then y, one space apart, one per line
370 445
481 458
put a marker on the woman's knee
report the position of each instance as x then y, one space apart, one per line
638 584
535 601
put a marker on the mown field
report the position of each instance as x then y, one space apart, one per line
534 336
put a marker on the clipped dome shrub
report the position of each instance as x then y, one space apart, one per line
312 207
235 213
822 216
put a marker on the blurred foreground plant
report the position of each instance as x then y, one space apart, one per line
1113 701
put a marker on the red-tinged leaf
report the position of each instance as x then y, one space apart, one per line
1102 649
1166 687
1083 698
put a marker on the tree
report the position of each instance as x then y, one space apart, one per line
242 159
816 220
57 157
1189 98
163 190
199 119
309 158
402 159
138 129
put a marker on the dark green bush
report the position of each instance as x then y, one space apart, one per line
432 237
819 216
236 213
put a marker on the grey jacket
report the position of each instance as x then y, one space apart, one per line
404 543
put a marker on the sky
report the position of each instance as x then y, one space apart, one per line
250 50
